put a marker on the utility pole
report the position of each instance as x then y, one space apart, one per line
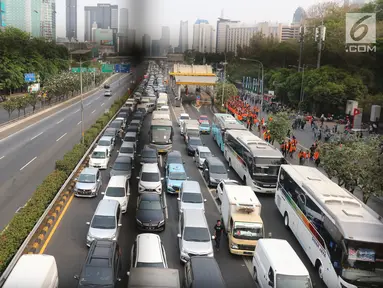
301 39
224 82
320 34
303 76
82 106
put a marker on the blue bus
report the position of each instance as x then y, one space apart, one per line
221 123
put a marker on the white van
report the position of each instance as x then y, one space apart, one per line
34 271
275 264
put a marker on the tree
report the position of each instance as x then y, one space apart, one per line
9 106
279 126
32 99
21 104
226 90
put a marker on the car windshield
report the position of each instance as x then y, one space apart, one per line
184 117
218 169
123 166
156 265
204 154
104 143
174 159
149 153
195 142
247 231
115 124
130 139
87 178
127 150
196 234
203 118
150 177
293 281
99 155
115 192
103 222
177 175
150 205
110 132
192 198
205 125
96 275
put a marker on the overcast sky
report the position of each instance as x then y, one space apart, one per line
147 16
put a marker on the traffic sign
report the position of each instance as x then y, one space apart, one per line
29 77
75 69
107 68
92 70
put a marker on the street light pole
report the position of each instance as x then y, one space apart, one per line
82 106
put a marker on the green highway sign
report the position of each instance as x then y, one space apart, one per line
75 69
107 68
92 70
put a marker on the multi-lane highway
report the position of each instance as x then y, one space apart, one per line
29 155
71 231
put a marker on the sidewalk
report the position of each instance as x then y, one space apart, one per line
374 203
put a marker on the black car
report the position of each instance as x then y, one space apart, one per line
123 165
106 86
123 115
102 266
134 129
174 157
111 132
192 145
138 116
148 155
150 214
117 124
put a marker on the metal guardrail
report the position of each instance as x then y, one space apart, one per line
23 246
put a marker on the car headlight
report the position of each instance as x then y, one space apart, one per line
162 222
234 246
170 187
210 254
90 237
141 187
159 187
138 221
93 189
123 203
212 179
75 189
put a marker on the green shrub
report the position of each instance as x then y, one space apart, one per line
24 221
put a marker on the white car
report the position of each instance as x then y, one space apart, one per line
221 186
183 117
118 189
201 153
106 141
100 158
123 121
150 180
108 93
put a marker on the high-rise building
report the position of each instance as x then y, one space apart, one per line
131 38
184 37
2 13
299 16
146 43
165 40
71 19
203 37
48 19
105 15
156 48
290 32
238 35
223 26
124 21
269 30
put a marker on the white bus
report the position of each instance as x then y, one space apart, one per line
342 237
255 161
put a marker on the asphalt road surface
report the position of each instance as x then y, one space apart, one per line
28 156
68 244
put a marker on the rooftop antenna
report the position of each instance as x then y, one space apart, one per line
222 14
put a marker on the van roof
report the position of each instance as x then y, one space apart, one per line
206 272
282 257
117 181
100 148
106 207
32 270
191 187
149 248
194 218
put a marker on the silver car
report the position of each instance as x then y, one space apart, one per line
194 236
88 183
201 153
106 222
127 149
190 196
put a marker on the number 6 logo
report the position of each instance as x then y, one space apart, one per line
357 26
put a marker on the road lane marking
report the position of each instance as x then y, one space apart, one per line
2 157
248 263
61 137
210 192
60 121
56 225
160 160
34 137
79 123
76 111
103 104
28 163
93 111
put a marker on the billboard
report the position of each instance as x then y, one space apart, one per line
106 42
2 13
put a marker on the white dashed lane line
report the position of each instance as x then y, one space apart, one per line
34 137
61 137
103 104
28 163
79 123
60 121
2 157
93 111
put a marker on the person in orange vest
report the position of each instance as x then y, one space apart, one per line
301 157
308 155
268 136
292 148
263 121
284 148
295 141
316 158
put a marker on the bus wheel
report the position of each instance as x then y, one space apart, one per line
319 268
286 220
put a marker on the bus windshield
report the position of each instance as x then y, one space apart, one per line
266 166
161 134
247 230
362 262
292 281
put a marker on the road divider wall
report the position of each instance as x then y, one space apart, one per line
31 223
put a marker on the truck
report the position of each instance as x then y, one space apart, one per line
241 217
161 135
190 128
160 115
153 277
162 100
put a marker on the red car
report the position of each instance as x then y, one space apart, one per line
203 118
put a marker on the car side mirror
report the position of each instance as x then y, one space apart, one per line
271 283
139 155
76 277
138 177
212 237
179 199
87 223
178 235
187 177
228 170
98 180
103 193
118 279
75 179
183 162
203 144
128 273
119 225
204 200
162 178
118 151
206 169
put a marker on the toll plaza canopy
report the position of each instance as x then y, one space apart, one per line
199 75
